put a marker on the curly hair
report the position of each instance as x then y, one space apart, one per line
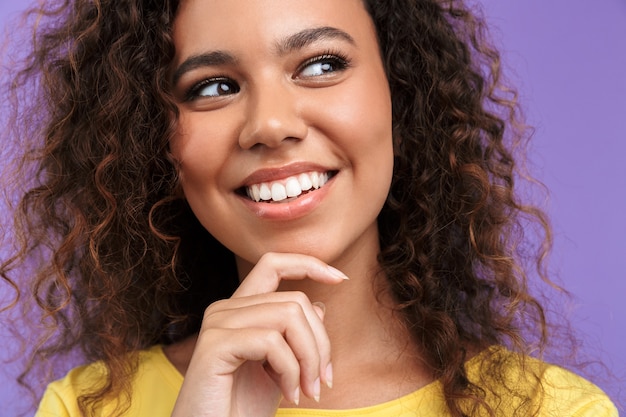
115 249
452 231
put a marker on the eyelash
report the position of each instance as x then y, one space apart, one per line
339 60
194 91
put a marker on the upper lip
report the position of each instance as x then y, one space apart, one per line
282 172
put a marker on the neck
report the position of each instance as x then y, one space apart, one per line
355 310
369 342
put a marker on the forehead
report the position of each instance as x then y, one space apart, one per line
219 24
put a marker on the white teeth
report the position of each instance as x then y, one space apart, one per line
315 180
293 187
264 192
323 179
255 191
279 192
305 182
290 187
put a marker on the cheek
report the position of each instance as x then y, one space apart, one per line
363 113
372 134
198 150
365 100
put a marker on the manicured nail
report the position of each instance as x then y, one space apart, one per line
296 396
337 273
317 389
329 375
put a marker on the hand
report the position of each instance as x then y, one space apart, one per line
260 344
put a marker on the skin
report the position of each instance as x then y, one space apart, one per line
260 105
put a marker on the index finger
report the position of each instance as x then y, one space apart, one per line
273 268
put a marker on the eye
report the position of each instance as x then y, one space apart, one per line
213 87
322 65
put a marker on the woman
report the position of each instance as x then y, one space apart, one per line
296 205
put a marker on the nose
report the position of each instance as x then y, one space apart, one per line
273 116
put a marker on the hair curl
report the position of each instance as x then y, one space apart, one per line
119 269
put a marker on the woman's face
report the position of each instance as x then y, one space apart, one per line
284 139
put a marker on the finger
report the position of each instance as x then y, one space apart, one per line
221 310
272 268
227 361
294 317
230 349
326 370
320 309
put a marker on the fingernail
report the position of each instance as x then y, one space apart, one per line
321 306
337 273
317 389
329 375
296 396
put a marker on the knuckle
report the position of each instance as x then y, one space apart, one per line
300 297
213 313
214 307
209 312
269 257
273 338
293 308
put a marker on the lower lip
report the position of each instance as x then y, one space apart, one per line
293 209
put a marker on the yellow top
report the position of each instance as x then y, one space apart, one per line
157 382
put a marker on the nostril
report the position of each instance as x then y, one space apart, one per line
266 142
271 124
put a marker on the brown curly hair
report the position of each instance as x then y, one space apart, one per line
114 249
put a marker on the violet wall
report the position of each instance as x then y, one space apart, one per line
568 59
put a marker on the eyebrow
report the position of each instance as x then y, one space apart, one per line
291 43
202 60
308 36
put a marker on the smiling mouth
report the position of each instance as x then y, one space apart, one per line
288 189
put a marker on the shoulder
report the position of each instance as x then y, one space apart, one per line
155 386
566 391
518 382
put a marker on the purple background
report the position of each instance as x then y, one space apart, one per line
568 59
